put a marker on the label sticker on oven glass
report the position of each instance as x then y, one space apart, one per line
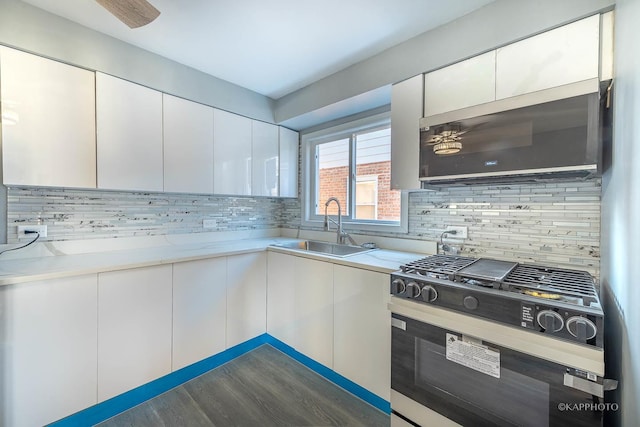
475 356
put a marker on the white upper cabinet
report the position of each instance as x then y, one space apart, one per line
461 85
48 122
565 55
188 146
406 111
231 153
606 46
129 125
264 159
288 159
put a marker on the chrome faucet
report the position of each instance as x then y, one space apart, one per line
327 219
340 234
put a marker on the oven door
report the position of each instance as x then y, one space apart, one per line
477 383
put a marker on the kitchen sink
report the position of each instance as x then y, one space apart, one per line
325 248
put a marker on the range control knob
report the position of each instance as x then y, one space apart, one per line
429 293
550 321
413 290
398 287
470 303
581 328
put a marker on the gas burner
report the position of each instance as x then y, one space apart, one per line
546 283
556 302
439 265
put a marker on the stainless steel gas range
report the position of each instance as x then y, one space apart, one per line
489 342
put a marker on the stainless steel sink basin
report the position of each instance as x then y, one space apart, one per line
325 248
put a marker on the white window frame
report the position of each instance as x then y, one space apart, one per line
309 143
368 179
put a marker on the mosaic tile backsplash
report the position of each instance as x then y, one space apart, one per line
553 223
85 214
548 223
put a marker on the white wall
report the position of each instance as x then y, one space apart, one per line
496 24
621 218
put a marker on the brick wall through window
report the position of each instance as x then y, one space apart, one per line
333 183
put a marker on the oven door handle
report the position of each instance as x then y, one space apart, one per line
590 387
397 323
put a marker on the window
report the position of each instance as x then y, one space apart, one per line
352 163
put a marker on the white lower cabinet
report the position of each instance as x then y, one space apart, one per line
134 328
246 297
334 314
281 302
48 356
362 333
313 334
199 310
67 344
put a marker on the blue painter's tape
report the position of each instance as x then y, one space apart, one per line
112 407
116 405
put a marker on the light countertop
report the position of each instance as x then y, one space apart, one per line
51 261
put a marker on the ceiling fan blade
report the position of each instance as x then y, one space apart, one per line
134 13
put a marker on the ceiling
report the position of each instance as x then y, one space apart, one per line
271 47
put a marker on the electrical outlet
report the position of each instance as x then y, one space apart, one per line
461 232
209 223
42 229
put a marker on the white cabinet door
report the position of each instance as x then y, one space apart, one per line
362 337
48 122
264 159
461 85
134 328
565 55
281 302
129 126
314 309
288 159
246 297
199 310
48 349
231 153
188 146
606 46
406 111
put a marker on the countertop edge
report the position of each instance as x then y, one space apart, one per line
62 266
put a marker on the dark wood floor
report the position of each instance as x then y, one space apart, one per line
262 388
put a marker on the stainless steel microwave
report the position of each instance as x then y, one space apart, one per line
503 141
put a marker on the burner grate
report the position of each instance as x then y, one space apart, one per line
438 264
565 282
